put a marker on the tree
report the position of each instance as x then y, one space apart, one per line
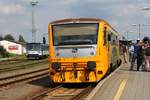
3 52
9 37
1 38
21 39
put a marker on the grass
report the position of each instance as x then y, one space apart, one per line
11 55
17 56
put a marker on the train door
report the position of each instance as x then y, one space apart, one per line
106 44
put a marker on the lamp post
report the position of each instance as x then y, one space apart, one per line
146 8
139 29
33 4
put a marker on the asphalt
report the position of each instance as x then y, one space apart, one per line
123 84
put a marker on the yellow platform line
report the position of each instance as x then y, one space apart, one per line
120 90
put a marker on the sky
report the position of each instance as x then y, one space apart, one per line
122 15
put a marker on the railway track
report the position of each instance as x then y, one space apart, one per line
5 81
21 64
63 93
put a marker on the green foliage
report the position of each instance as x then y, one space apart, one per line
9 37
21 39
3 52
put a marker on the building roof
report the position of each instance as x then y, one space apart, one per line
21 43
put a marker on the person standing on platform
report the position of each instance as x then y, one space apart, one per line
131 51
135 54
147 55
146 47
140 56
124 52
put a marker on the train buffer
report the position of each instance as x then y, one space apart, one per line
123 84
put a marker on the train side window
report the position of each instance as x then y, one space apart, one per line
109 37
105 35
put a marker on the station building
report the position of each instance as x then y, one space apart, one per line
14 47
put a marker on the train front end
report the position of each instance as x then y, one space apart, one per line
74 51
33 50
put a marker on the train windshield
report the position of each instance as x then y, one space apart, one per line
33 47
75 34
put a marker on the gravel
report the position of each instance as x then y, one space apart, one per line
15 72
24 91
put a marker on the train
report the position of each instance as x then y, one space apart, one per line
37 50
82 50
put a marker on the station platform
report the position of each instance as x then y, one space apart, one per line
123 84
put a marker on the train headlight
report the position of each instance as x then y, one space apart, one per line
56 65
91 53
91 65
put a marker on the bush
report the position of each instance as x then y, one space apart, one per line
3 52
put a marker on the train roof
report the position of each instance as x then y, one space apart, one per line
77 20
36 43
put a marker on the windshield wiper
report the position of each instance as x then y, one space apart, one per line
75 42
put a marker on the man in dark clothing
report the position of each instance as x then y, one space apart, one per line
137 55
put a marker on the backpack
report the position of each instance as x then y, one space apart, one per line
147 51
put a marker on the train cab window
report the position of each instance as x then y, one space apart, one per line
75 34
105 35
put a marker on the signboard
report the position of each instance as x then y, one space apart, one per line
13 47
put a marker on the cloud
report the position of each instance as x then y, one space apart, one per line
27 1
146 13
118 13
10 9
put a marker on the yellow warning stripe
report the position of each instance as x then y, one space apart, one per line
120 90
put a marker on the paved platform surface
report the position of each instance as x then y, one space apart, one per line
124 84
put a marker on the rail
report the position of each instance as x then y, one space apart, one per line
4 81
63 93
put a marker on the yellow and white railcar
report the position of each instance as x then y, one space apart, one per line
81 50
